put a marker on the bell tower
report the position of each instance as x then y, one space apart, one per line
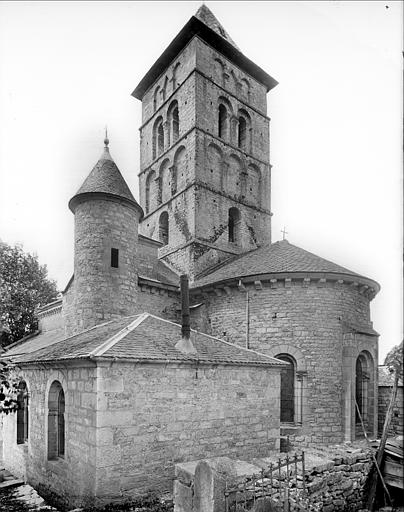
205 175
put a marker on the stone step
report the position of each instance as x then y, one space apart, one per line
11 483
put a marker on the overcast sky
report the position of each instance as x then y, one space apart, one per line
67 69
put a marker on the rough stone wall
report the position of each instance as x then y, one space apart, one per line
152 416
101 291
229 77
159 302
68 310
397 423
197 178
304 319
73 477
168 83
51 320
336 481
147 256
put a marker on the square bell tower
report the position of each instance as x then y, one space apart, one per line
205 174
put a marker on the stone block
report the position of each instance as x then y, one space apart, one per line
183 497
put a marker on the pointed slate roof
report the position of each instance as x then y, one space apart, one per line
140 338
278 258
104 179
209 19
204 25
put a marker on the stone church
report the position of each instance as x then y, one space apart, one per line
115 386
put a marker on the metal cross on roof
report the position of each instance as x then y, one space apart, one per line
284 232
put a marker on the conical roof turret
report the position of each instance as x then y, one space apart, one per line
105 179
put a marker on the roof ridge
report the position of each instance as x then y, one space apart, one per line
110 342
244 349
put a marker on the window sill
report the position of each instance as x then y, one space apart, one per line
291 425
23 447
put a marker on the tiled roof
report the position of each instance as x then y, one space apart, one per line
105 178
206 16
35 342
145 338
386 378
279 257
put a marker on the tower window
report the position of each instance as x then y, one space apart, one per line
158 137
114 258
173 121
163 228
222 122
176 124
22 413
242 133
234 225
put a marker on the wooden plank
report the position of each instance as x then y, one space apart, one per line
380 451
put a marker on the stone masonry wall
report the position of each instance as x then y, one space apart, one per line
102 292
397 422
336 481
153 416
305 320
73 477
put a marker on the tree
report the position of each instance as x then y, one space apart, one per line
24 286
9 387
394 360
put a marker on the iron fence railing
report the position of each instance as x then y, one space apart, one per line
283 482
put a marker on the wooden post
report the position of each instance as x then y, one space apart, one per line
380 451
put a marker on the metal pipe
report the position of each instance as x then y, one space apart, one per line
247 319
185 319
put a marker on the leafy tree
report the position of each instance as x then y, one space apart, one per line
24 286
9 387
394 359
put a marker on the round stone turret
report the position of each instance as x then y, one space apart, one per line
105 247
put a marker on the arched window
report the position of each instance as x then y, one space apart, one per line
156 98
150 190
173 121
163 228
364 393
361 388
287 389
222 122
22 413
234 225
158 137
56 421
242 133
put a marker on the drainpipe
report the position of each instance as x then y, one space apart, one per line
185 344
247 313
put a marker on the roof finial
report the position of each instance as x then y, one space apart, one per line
106 140
284 233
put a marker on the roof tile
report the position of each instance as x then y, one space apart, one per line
279 257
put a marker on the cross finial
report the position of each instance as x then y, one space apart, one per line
284 233
106 140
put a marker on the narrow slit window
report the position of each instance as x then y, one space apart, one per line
114 258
